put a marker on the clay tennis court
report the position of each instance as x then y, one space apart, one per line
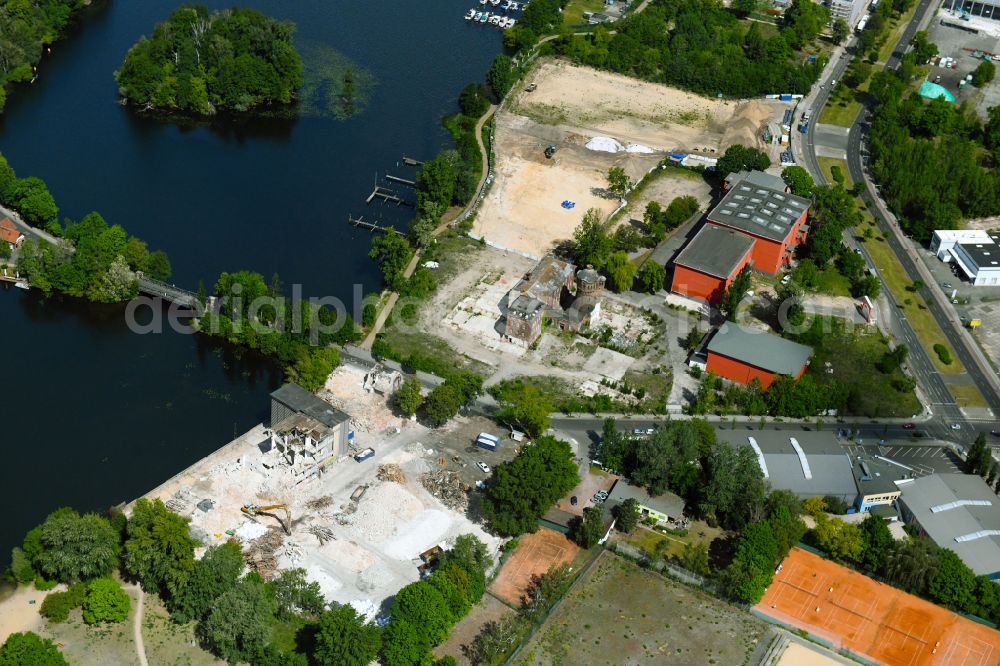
871 619
535 554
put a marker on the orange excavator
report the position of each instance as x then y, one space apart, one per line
258 510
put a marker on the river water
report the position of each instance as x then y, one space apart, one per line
93 414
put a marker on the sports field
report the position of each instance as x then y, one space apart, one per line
535 554
874 620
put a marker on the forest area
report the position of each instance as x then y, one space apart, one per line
28 27
201 63
698 45
914 142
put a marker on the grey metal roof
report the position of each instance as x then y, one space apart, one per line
759 349
525 305
760 210
300 400
715 250
828 463
667 503
981 554
756 178
877 477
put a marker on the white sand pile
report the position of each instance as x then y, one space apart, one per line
604 144
328 585
420 534
638 148
366 608
249 531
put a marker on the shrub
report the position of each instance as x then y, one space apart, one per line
942 353
106 602
42 585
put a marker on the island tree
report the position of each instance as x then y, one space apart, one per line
202 62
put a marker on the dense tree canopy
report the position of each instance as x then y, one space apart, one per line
22 649
201 62
159 550
343 638
521 490
239 626
213 575
106 602
77 547
699 45
27 28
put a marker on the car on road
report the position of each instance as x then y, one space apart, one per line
908 426
946 285
483 466
995 433
956 426
650 431
638 431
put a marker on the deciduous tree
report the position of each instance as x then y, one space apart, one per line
159 550
76 547
217 572
106 602
343 638
239 625
28 648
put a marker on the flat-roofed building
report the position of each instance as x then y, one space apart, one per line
877 482
743 354
974 251
659 507
775 219
959 512
706 267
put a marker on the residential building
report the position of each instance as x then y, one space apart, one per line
877 482
554 291
306 432
807 463
974 251
959 512
10 234
743 354
706 267
849 10
775 219
661 507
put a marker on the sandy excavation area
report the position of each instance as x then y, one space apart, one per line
597 120
358 535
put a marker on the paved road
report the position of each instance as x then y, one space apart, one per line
966 349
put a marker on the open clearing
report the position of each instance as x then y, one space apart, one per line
622 614
873 619
523 210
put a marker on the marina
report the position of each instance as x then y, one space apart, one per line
501 21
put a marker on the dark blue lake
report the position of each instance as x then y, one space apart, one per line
92 414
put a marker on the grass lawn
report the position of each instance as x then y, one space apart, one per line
967 395
167 642
827 164
833 283
656 387
648 539
573 12
842 109
916 311
406 343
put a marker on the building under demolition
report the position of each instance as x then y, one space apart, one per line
553 290
305 432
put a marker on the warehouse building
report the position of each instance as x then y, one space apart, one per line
743 354
959 512
705 268
807 463
974 251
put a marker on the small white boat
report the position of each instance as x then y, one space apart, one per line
483 2
471 15
22 285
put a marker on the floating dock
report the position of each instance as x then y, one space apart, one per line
397 179
409 161
362 223
386 195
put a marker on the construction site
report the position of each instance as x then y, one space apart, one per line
557 137
340 486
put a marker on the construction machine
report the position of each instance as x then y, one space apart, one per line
258 510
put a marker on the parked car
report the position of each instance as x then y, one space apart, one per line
995 433
947 285
483 466
650 431
638 431
603 494
956 426
573 501
364 455
786 279
908 426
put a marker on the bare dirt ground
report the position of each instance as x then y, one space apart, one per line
489 609
18 614
536 553
574 105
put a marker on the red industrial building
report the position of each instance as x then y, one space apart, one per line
775 219
742 354
706 267
763 224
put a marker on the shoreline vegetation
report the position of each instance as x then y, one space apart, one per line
29 29
201 63
90 259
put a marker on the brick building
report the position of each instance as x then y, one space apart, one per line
743 354
710 262
555 291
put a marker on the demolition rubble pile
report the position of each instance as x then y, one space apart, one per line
369 411
391 472
448 487
261 555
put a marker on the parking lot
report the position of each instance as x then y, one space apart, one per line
925 459
960 43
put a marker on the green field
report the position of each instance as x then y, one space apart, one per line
827 164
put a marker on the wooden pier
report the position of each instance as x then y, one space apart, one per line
386 195
362 223
397 179
409 161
